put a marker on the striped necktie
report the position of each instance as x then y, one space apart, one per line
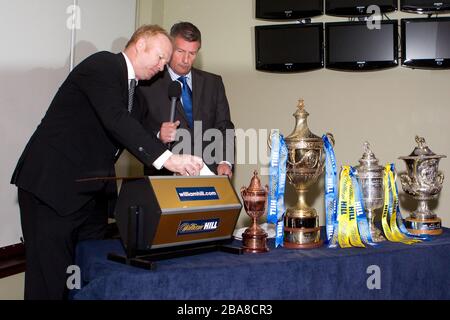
131 94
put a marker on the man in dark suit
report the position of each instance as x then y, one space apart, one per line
93 116
208 106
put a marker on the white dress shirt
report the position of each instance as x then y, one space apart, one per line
158 163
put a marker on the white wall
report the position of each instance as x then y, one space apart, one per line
11 288
387 108
34 62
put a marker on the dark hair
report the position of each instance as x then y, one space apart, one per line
187 31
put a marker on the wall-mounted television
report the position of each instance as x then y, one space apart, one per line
349 8
288 9
426 43
353 46
425 6
289 47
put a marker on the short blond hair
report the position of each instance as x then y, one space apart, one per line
146 31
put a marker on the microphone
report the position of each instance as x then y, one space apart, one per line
141 149
174 94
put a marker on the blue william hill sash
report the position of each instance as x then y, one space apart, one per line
331 193
277 182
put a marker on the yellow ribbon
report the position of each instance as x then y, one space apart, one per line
390 228
348 233
344 197
355 238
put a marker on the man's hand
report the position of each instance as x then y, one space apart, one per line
184 164
168 131
224 169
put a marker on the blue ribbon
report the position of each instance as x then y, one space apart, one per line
277 181
331 193
272 214
361 216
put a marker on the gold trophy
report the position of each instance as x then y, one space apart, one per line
423 182
254 238
305 164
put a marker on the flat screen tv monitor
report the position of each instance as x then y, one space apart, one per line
289 47
425 6
357 7
353 46
426 43
288 9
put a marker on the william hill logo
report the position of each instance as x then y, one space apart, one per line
197 226
197 193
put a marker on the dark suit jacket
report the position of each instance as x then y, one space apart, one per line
85 125
209 104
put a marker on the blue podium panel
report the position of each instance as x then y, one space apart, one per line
419 271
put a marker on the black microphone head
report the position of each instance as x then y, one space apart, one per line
174 89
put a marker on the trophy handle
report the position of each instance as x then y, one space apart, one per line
331 138
440 178
407 184
269 141
269 138
243 189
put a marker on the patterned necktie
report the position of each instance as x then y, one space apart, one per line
131 94
186 96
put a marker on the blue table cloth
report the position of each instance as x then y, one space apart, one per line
419 271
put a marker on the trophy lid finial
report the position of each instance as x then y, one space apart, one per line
420 142
301 113
367 149
422 151
255 183
301 130
368 160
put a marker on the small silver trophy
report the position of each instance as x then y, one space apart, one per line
423 182
370 178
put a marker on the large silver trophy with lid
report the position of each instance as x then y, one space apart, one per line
370 178
423 182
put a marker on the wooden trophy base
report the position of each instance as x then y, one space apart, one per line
313 245
302 238
424 226
254 243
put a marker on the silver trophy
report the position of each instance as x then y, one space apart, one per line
370 178
423 182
